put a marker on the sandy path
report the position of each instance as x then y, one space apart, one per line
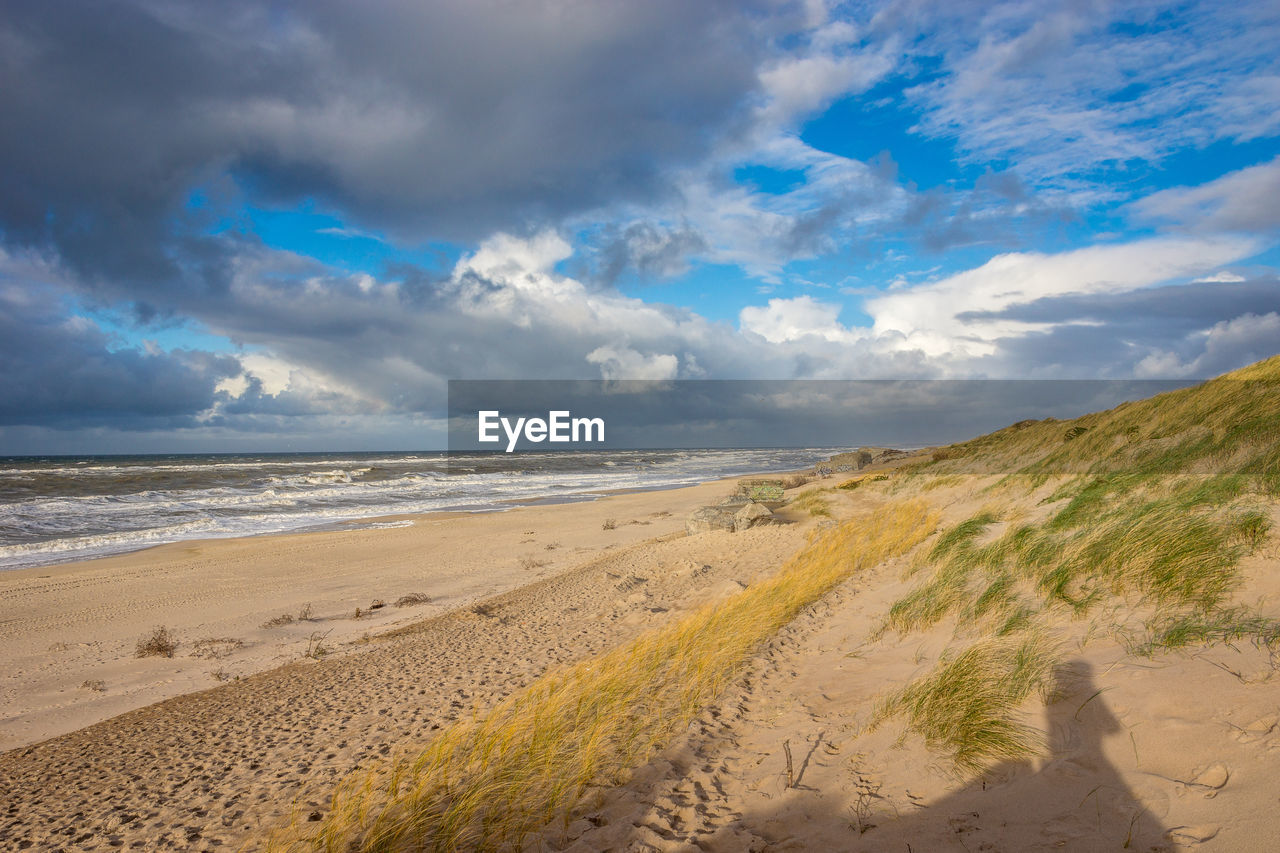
207 770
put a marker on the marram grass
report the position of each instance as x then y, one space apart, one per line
967 706
489 782
1159 501
814 502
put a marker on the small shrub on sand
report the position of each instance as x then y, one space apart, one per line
529 562
609 524
316 648
377 604
304 615
97 685
278 621
160 643
215 648
413 599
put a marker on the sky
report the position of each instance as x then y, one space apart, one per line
271 226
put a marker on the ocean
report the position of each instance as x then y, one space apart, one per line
61 508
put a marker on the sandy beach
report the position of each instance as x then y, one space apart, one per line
231 752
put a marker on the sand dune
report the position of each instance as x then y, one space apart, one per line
1178 751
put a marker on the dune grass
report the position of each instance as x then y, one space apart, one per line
967 705
1165 545
1228 625
813 502
1155 502
1230 424
1160 500
488 782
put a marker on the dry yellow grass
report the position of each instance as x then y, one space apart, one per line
814 501
488 782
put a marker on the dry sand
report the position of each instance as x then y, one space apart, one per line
64 625
210 769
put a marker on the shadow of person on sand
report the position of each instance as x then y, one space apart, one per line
1072 798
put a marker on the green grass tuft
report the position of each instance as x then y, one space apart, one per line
967 706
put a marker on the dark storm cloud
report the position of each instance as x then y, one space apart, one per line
645 249
62 371
1154 314
458 117
1198 330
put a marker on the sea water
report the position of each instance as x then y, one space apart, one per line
61 508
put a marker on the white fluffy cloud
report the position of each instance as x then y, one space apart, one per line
795 319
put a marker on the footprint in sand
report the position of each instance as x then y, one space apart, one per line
1211 780
1197 834
1259 728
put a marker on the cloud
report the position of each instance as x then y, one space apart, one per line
1161 332
65 371
1076 92
626 363
1247 200
1150 313
799 86
1224 276
1228 344
451 119
646 250
794 320
960 315
322 352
